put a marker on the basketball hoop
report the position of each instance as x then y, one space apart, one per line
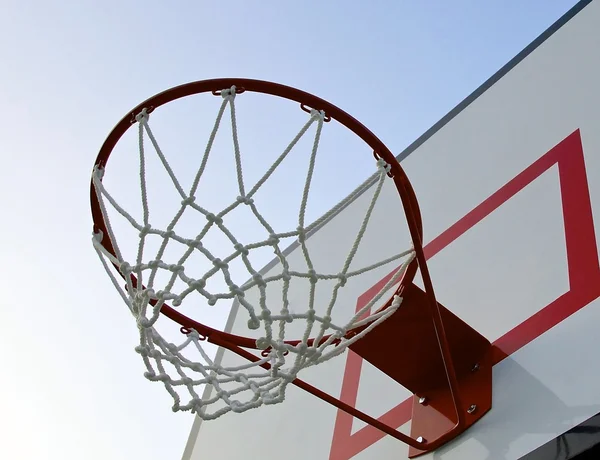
448 348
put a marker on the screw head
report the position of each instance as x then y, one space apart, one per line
420 439
472 408
422 400
475 368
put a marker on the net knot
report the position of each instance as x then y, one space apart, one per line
396 302
318 114
312 353
153 264
97 236
187 201
175 268
125 268
383 165
253 323
197 244
285 276
301 348
301 234
265 315
236 407
193 334
142 116
263 343
229 93
149 293
287 376
312 276
343 279
286 315
236 290
214 219
154 354
244 200
99 173
162 377
339 335
241 249
140 296
258 279
268 398
218 263
142 350
145 230
241 378
273 239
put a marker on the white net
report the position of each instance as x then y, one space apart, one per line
186 368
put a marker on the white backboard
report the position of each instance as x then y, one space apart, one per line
509 189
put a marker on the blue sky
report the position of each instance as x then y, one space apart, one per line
73 387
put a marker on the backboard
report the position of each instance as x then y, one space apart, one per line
509 189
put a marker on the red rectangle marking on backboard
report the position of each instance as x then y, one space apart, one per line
583 272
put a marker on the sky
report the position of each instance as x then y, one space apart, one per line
72 384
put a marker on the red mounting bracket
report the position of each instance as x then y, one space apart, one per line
407 348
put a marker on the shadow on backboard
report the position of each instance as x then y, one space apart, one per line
525 414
